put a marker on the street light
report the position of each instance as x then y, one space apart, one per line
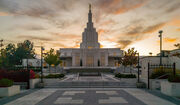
160 35
138 66
42 49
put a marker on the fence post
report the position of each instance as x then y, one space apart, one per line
28 81
174 69
148 74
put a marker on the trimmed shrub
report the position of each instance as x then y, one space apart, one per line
37 76
6 82
16 76
119 75
160 72
173 78
54 76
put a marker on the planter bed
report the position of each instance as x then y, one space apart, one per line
9 91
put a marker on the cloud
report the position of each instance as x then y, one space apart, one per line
29 37
60 45
30 27
135 31
124 43
153 28
178 29
119 6
107 22
129 5
173 8
170 40
65 36
175 22
4 14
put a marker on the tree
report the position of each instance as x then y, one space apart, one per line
177 45
52 58
7 56
130 57
150 53
12 55
24 50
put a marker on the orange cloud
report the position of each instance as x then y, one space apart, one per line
175 22
77 44
4 14
101 46
126 8
153 28
100 31
170 40
107 22
67 36
178 29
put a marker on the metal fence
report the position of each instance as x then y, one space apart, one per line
162 66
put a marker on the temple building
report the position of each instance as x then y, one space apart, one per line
90 54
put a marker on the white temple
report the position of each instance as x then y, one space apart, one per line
90 55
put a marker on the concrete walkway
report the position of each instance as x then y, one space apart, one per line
90 96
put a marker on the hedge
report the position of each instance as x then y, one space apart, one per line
119 75
6 82
54 76
16 76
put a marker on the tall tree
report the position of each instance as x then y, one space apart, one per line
177 45
24 50
12 55
130 57
7 56
52 58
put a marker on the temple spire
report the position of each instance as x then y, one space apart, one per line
89 7
90 14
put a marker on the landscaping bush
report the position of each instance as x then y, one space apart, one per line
160 72
54 76
37 76
173 78
6 82
16 76
119 75
32 74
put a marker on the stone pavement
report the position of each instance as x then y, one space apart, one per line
90 96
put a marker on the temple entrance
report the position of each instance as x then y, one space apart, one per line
90 61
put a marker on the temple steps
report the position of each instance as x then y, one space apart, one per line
90 84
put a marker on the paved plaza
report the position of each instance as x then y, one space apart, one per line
90 96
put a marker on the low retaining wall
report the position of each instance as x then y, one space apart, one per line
171 89
154 84
9 91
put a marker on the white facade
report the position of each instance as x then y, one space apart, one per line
90 54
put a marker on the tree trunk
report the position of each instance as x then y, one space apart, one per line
49 68
131 69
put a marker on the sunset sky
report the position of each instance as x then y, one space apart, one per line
120 23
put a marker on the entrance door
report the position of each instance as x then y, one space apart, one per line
90 61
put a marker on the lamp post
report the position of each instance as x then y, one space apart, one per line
160 35
138 67
42 49
28 84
